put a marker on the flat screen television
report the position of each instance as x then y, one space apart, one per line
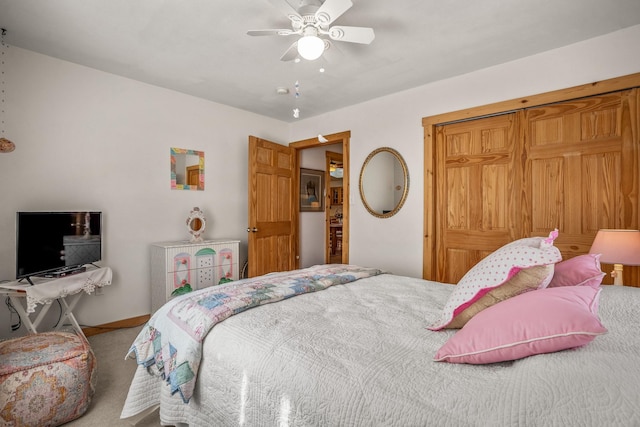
51 244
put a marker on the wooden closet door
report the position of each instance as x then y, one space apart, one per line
581 170
478 192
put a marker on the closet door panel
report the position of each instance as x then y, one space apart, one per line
479 188
575 150
547 176
583 164
458 210
571 166
602 173
495 197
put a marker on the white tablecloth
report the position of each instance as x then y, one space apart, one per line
47 290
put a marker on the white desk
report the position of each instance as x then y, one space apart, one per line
67 290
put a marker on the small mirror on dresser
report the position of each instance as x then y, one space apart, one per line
187 169
384 182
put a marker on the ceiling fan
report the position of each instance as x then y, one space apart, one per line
311 20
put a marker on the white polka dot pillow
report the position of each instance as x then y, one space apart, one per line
501 267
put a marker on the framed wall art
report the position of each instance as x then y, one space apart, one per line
311 190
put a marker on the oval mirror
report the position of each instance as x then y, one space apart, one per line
384 182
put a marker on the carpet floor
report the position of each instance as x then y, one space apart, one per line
114 376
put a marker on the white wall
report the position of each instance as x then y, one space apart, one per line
91 140
395 243
312 224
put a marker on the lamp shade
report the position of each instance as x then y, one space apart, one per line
310 47
617 246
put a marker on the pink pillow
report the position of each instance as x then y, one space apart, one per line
536 322
496 269
582 270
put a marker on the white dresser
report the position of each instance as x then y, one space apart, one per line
203 264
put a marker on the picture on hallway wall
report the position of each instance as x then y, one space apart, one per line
311 190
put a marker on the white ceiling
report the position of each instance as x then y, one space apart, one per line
200 47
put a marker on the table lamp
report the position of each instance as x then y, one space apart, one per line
617 247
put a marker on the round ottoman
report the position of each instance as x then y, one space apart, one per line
46 379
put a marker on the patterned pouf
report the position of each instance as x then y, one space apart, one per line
46 379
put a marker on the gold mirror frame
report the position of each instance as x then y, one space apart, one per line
394 186
183 163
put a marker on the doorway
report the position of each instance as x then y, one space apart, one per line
335 142
334 173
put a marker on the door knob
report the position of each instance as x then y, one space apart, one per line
249 230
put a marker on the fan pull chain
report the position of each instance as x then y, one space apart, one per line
6 146
2 53
296 110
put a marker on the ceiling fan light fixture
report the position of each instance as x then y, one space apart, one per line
310 47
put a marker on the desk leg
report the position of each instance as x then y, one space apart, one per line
24 316
40 317
68 312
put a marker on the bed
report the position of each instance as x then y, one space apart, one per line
359 353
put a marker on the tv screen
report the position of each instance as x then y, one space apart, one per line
48 242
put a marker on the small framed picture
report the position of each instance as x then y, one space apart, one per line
311 190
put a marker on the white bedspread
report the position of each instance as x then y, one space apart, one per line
360 355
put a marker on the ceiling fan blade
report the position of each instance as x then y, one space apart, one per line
331 10
274 32
363 35
291 53
287 10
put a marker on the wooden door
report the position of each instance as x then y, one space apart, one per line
477 192
193 175
582 170
273 214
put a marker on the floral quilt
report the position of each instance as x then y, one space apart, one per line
170 345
